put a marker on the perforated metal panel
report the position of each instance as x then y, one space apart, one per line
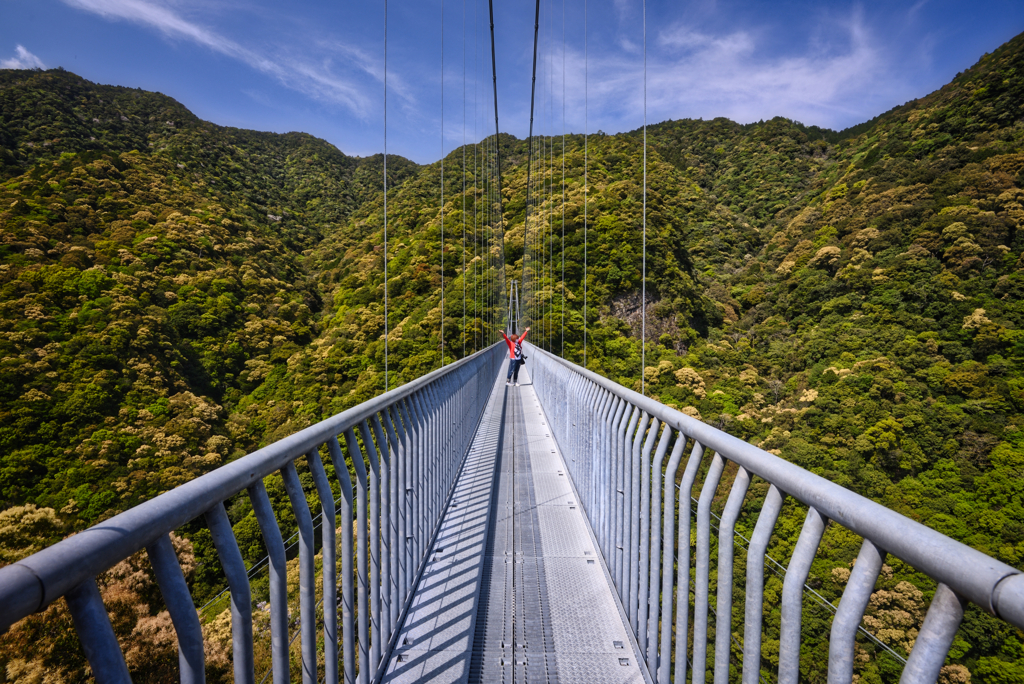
514 591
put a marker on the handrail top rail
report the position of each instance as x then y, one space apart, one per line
31 584
993 585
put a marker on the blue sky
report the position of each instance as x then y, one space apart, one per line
318 66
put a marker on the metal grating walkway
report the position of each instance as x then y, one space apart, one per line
514 590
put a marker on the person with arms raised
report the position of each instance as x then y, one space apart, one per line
515 355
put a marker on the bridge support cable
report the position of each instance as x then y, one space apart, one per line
463 332
561 351
586 155
529 163
497 149
643 292
387 386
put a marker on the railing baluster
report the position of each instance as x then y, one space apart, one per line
793 594
241 599
667 566
418 481
629 419
412 519
723 616
278 581
398 524
754 609
348 635
329 577
632 472
307 581
191 659
362 594
843 639
374 532
590 428
644 526
703 569
96 634
941 623
654 553
386 534
683 566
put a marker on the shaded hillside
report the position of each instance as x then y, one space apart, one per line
145 292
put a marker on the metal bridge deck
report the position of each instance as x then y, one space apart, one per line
514 589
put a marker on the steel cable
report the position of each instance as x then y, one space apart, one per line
442 183
586 152
643 293
463 178
386 385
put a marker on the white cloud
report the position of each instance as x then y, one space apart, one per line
23 59
308 76
694 73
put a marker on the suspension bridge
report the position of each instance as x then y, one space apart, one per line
490 532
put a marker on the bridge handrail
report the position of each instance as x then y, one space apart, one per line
71 565
964 572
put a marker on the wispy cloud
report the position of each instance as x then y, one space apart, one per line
23 59
694 73
313 78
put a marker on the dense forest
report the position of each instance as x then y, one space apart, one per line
174 294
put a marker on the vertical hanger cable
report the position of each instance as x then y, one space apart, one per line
386 385
643 294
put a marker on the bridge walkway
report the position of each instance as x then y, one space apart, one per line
514 589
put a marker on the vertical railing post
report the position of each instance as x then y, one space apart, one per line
793 594
307 581
941 623
329 575
96 634
647 575
348 636
703 569
280 663
363 602
238 585
654 552
191 659
634 488
842 643
683 562
668 556
374 532
387 534
723 616
754 610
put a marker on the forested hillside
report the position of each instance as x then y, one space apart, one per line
174 294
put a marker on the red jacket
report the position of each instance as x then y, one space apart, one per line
511 344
